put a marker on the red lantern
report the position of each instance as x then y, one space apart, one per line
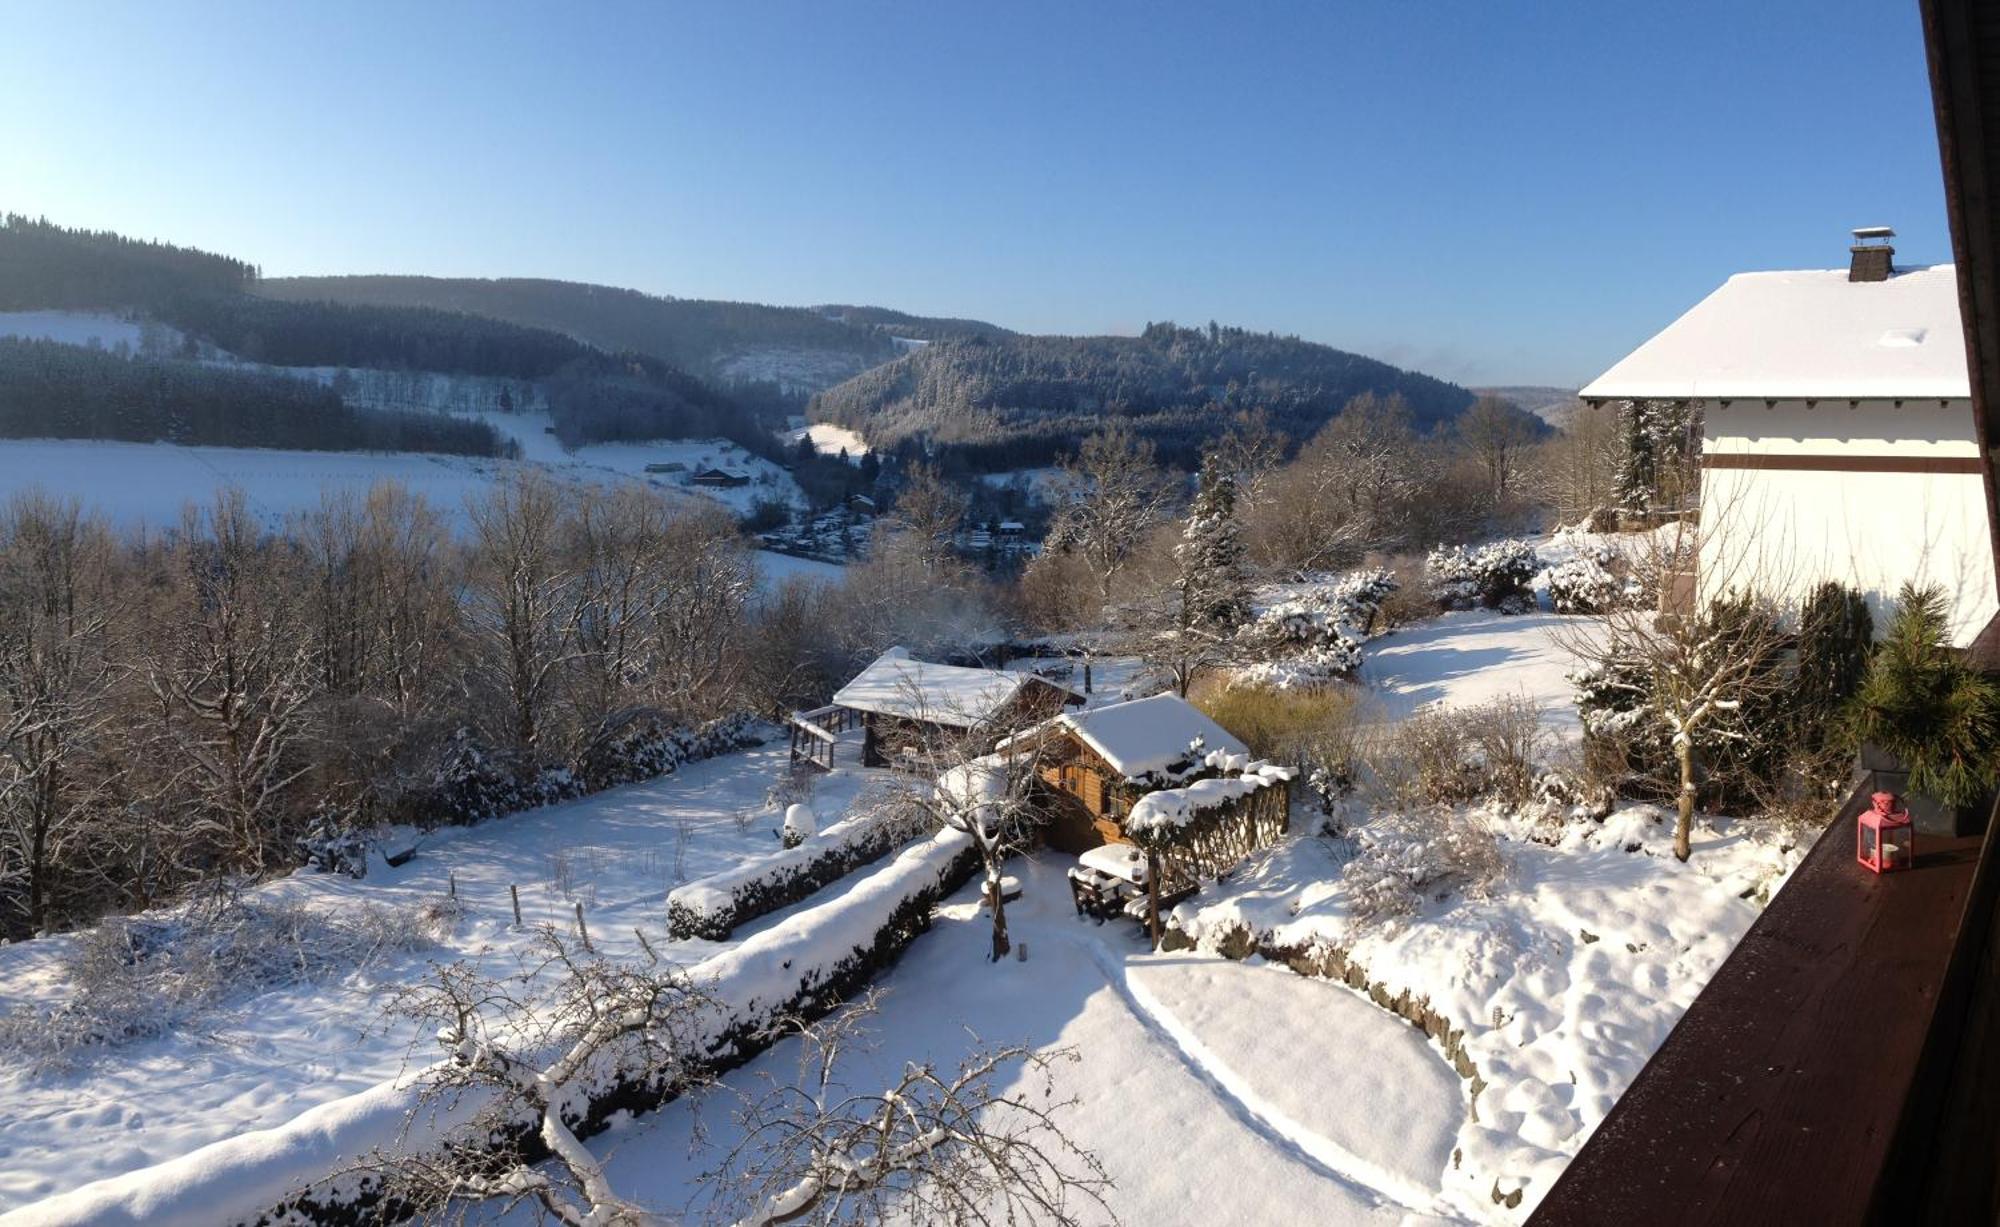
1885 841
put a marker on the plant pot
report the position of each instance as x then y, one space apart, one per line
1930 816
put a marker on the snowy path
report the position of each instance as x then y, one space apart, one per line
275 1054
1211 1091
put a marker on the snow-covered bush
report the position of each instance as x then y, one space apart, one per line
1583 586
1402 860
800 825
1314 637
1452 755
141 976
1494 576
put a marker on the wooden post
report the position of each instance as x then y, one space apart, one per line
1153 897
515 891
452 879
580 930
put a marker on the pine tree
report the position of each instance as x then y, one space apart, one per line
1214 593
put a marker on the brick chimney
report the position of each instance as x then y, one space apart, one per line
1873 257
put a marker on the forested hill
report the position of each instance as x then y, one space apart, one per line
1020 401
916 327
724 342
44 266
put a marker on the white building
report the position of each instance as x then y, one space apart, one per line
1838 439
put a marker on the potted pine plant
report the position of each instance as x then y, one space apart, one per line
1928 722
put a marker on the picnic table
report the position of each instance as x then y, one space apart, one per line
1121 861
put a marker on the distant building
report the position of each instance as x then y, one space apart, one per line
719 478
666 466
1838 437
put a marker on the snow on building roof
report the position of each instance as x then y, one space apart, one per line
896 685
1804 334
1145 735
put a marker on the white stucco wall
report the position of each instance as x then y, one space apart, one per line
1785 530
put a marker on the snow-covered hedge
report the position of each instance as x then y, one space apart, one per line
1494 576
302 1171
713 906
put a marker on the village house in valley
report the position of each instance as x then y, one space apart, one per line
1838 434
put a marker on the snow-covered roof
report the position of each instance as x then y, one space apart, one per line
1145 735
896 685
1805 335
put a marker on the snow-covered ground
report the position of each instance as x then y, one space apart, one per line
1211 1091
146 485
272 1055
1564 973
1473 657
96 329
830 440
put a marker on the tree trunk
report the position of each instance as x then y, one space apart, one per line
1684 819
1001 946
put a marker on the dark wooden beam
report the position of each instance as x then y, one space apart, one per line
1962 42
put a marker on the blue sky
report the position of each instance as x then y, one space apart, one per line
1494 193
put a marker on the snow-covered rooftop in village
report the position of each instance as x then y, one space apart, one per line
1145 735
896 685
1804 335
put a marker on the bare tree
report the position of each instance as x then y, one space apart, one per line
230 666
948 1147
1115 494
55 680
930 510
700 613
935 1146
640 1022
1351 490
523 610
1498 434
1689 671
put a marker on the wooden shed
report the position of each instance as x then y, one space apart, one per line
1097 763
899 704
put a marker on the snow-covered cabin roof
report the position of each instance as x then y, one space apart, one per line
897 685
1805 335
1145 735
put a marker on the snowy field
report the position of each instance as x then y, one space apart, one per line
96 329
271 1056
830 440
1211 1091
145 485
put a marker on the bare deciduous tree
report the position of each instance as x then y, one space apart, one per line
54 677
523 610
936 1146
1115 494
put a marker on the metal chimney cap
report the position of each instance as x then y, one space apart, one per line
1863 233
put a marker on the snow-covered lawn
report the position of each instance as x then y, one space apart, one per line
1474 657
272 1055
1563 974
1211 1091
98 329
